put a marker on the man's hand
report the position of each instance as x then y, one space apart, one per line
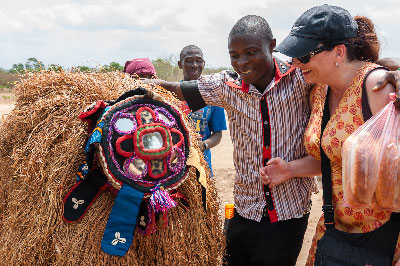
201 145
276 172
169 86
392 77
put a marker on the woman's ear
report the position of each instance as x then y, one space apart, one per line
340 53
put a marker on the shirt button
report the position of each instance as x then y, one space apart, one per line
266 193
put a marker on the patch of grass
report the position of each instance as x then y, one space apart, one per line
7 80
7 97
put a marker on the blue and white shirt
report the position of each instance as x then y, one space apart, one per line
207 120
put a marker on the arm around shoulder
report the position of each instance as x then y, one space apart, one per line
185 91
168 85
377 99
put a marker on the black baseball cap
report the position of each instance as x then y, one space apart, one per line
320 24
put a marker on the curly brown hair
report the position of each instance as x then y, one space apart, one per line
366 45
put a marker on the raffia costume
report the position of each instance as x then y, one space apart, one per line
146 202
344 121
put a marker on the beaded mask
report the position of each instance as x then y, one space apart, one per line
138 148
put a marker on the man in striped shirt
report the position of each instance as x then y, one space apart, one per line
266 101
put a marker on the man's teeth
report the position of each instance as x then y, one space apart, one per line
306 70
246 72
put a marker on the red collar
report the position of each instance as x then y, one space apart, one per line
235 84
281 70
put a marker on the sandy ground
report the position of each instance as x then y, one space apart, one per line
6 103
224 172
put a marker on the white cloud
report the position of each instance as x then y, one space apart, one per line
76 32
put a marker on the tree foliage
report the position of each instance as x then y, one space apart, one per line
18 68
166 68
82 69
32 64
115 66
55 67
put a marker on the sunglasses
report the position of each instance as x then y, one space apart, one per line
305 59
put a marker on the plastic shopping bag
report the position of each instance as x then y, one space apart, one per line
370 160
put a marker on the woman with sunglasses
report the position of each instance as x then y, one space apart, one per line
336 52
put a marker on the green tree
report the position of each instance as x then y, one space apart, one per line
82 69
32 64
55 67
116 66
113 66
18 68
167 68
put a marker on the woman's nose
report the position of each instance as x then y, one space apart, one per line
295 62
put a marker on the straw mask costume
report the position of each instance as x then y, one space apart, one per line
138 147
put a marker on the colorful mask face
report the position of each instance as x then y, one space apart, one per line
144 145
138 147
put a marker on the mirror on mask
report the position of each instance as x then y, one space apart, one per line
124 124
137 166
152 141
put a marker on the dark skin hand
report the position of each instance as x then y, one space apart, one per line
392 77
168 85
212 141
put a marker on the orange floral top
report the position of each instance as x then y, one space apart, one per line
343 122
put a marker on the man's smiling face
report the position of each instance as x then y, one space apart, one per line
192 63
251 58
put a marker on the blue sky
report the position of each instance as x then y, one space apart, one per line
97 32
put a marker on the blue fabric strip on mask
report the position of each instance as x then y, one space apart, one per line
118 235
95 137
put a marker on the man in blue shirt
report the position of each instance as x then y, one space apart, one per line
210 120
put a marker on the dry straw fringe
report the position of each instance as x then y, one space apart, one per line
41 145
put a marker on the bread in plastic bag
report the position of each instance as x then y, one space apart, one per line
370 160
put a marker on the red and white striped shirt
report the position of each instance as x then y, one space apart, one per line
289 111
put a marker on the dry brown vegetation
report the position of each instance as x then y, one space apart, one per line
41 146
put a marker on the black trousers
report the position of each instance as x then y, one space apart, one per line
251 243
